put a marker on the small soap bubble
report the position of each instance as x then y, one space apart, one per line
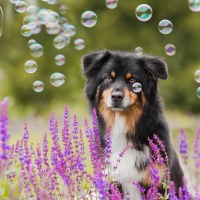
36 29
53 17
32 12
194 5
30 66
137 87
53 29
27 21
51 2
60 60
143 12
59 42
13 1
31 41
115 175
38 86
66 37
1 21
42 16
62 9
20 6
26 30
89 19
79 44
36 50
165 26
69 29
197 76
170 49
63 20
111 3
138 51
198 92
57 79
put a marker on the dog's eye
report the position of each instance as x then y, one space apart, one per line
131 80
108 78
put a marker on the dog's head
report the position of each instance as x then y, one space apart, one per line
110 79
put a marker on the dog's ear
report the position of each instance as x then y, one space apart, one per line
155 67
92 62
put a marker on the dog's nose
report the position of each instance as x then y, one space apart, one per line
117 96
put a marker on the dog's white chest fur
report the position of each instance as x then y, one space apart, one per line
126 169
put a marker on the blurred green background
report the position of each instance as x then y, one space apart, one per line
116 29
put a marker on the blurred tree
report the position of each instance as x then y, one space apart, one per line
116 29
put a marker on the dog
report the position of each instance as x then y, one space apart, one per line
133 115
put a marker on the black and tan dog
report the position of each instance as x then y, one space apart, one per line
132 116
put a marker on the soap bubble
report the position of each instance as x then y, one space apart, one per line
79 44
62 9
194 5
138 51
57 79
36 29
111 3
165 26
1 21
51 2
14 1
36 50
20 6
53 17
115 175
170 49
198 92
26 30
66 37
137 87
42 16
69 29
63 20
59 42
32 12
31 41
38 86
53 29
27 21
30 66
143 12
60 60
197 76
89 19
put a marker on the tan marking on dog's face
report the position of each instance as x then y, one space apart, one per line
147 180
128 75
97 93
112 74
107 114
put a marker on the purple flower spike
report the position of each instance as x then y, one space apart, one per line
183 146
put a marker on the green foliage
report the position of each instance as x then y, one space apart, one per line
116 29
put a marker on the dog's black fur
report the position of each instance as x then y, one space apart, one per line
145 69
